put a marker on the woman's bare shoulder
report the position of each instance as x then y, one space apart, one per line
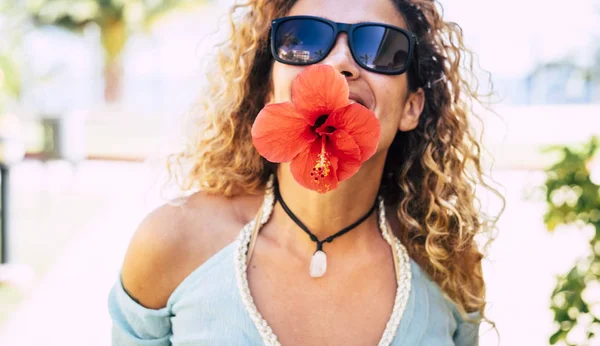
175 239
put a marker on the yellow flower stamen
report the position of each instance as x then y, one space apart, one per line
322 166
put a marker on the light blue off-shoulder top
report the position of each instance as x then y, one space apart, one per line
206 309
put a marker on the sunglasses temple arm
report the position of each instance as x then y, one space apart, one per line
418 64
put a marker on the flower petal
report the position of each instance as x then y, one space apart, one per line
319 90
307 162
279 132
360 123
347 152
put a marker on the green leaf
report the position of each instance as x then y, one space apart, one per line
558 336
9 77
568 179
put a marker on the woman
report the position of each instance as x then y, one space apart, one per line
190 277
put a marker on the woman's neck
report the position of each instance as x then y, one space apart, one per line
327 214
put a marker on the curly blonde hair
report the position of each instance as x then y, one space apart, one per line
430 173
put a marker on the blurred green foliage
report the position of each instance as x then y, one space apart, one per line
10 83
573 198
115 18
112 16
11 27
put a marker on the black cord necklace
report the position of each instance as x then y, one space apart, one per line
318 264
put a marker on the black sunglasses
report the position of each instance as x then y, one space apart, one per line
377 47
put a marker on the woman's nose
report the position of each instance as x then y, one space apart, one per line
341 58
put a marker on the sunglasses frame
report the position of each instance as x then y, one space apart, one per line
349 30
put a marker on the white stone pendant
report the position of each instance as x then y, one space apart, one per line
318 264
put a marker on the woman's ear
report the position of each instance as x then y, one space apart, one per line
413 107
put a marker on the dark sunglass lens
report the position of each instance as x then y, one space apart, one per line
302 41
380 48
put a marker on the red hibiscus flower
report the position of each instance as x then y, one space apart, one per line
324 136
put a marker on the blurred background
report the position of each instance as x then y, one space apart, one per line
91 98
